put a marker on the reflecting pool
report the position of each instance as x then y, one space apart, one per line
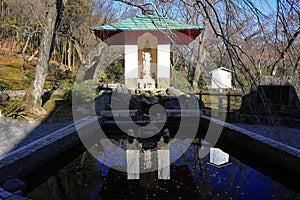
191 178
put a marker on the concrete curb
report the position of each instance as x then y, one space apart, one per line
276 153
28 158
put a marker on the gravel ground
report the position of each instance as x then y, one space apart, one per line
286 135
17 133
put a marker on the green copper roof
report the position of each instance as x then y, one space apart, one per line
150 22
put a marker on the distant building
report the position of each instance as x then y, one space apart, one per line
221 78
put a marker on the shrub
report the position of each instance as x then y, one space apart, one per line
28 79
180 82
4 86
66 86
83 92
14 110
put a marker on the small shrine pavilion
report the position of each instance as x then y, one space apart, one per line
147 41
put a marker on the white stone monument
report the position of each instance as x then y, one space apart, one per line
147 64
146 82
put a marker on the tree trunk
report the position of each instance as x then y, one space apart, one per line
200 60
24 66
69 55
78 50
65 54
62 62
32 101
12 39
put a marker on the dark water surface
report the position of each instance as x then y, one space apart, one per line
191 178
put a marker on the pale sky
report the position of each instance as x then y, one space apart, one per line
266 5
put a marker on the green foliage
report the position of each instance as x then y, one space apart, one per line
28 79
83 92
14 109
76 16
180 82
266 71
17 20
114 72
4 85
203 80
66 86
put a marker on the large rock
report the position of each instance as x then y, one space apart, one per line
189 102
148 100
172 104
122 89
161 93
136 104
174 92
102 102
271 100
120 97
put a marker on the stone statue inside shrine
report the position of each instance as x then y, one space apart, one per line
146 55
146 63
146 81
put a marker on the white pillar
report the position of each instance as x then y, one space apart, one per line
163 157
133 164
131 65
163 65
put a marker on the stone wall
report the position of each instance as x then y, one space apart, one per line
292 81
